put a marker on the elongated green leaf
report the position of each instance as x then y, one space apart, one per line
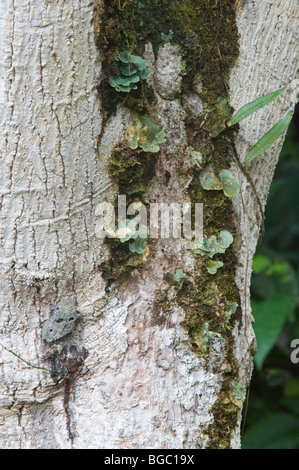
268 139
254 105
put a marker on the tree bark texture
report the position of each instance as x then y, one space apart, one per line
127 374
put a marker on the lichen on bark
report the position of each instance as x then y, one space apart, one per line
204 34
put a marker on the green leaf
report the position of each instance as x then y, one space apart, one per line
275 431
225 239
179 276
133 68
124 89
138 61
124 57
291 403
270 316
120 80
133 143
268 139
291 388
254 105
134 79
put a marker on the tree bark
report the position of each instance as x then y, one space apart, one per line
127 374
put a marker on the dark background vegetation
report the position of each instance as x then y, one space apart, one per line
271 417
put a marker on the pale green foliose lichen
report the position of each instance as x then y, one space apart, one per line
167 37
127 230
123 232
237 393
139 244
231 184
203 337
231 309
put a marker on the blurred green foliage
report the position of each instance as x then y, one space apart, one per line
272 418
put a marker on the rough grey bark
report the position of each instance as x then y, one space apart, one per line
136 382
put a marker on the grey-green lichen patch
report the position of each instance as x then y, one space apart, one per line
237 393
231 309
210 182
202 337
213 266
167 37
230 183
179 276
213 245
62 321
132 69
138 245
218 117
168 76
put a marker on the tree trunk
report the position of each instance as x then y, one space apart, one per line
102 347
